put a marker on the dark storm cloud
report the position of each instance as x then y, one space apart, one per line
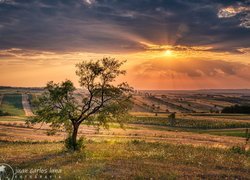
111 25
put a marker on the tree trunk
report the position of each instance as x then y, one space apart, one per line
74 136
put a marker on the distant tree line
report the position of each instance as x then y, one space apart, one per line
21 88
240 109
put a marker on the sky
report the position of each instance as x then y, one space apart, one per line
168 44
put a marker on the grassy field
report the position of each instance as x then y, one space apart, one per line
236 132
128 160
190 121
228 125
13 118
226 132
12 104
199 146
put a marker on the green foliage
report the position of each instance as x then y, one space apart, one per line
103 101
136 141
80 143
239 150
172 119
55 104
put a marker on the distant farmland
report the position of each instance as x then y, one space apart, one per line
203 143
12 104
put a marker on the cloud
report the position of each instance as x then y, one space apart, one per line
155 47
10 2
89 2
119 26
242 11
23 54
194 68
232 11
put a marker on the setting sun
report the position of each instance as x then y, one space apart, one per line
168 53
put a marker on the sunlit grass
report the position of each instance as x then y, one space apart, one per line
126 160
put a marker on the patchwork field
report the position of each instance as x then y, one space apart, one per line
203 144
12 104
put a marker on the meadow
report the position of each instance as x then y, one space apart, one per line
201 145
132 159
190 121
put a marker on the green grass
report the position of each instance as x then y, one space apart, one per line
198 124
128 160
220 132
12 104
13 118
231 132
210 124
191 122
217 114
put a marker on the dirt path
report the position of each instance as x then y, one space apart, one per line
26 105
16 131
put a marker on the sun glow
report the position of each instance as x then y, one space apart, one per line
168 53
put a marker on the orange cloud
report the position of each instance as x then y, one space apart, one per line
150 69
190 74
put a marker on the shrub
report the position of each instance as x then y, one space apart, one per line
80 144
240 150
136 141
242 109
2 113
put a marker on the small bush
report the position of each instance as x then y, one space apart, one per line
51 132
239 150
2 113
80 144
136 141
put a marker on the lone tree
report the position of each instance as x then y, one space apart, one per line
172 119
99 102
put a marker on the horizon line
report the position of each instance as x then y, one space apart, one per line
208 89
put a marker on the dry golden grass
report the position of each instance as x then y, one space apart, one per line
16 131
128 160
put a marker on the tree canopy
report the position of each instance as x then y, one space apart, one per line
98 102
